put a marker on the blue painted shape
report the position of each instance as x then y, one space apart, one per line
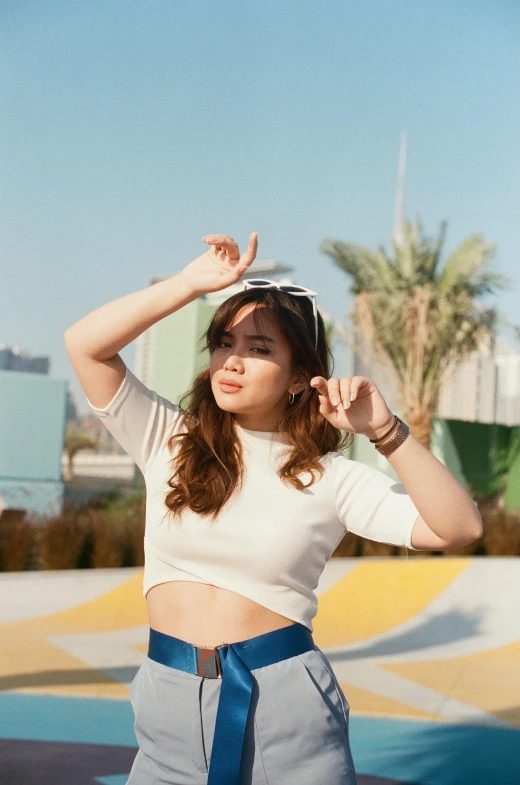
432 753
60 718
426 753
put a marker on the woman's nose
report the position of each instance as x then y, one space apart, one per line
233 361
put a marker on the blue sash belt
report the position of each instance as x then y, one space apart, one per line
237 660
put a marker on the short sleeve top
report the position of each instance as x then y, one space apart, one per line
271 541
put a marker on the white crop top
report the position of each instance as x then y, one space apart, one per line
270 542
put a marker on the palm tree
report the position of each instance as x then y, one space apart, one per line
417 318
328 326
76 440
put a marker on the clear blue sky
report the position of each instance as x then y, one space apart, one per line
130 129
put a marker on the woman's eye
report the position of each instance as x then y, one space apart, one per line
258 349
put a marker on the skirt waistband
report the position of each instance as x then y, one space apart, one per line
233 663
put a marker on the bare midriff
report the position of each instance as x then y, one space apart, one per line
207 615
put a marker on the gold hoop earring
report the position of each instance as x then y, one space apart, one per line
291 401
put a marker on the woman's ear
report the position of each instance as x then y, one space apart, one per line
299 383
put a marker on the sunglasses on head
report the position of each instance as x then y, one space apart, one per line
297 291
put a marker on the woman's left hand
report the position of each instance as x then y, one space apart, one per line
367 412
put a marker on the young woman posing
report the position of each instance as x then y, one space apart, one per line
248 496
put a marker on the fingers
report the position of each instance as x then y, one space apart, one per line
228 245
217 238
249 255
320 384
224 245
220 240
346 391
226 240
336 391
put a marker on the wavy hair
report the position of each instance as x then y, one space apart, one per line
209 463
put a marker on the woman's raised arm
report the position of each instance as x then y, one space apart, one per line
105 331
102 333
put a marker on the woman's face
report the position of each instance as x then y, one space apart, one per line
265 376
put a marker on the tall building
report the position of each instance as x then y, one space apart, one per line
71 412
32 431
13 359
484 388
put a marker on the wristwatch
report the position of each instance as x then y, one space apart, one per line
388 447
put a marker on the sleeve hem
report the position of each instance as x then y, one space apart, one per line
408 543
331 459
116 399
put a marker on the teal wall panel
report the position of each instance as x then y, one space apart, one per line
32 426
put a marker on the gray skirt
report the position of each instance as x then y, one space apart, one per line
297 731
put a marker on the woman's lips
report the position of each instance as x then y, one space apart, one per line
229 387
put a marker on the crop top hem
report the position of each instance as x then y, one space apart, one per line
170 579
213 580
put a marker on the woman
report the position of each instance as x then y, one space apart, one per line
248 496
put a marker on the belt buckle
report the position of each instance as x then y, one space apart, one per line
209 664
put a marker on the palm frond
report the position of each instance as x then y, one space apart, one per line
418 319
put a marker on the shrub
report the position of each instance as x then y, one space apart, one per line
349 546
372 548
501 535
17 541
109 532
107 539
62 541
134 533
125 518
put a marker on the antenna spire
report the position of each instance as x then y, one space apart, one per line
399 196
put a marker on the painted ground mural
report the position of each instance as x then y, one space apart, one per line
427 651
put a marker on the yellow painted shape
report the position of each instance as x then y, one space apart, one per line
366 702
31 663
488 680
377 595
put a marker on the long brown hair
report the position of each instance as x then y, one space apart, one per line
209 462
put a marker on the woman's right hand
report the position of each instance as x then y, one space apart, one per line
221 265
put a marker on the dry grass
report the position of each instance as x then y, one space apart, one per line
134 532
501 532
107 540
349 546
17 541
465 550
60 541
118 534
106 533
501 537
110 533
372 548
